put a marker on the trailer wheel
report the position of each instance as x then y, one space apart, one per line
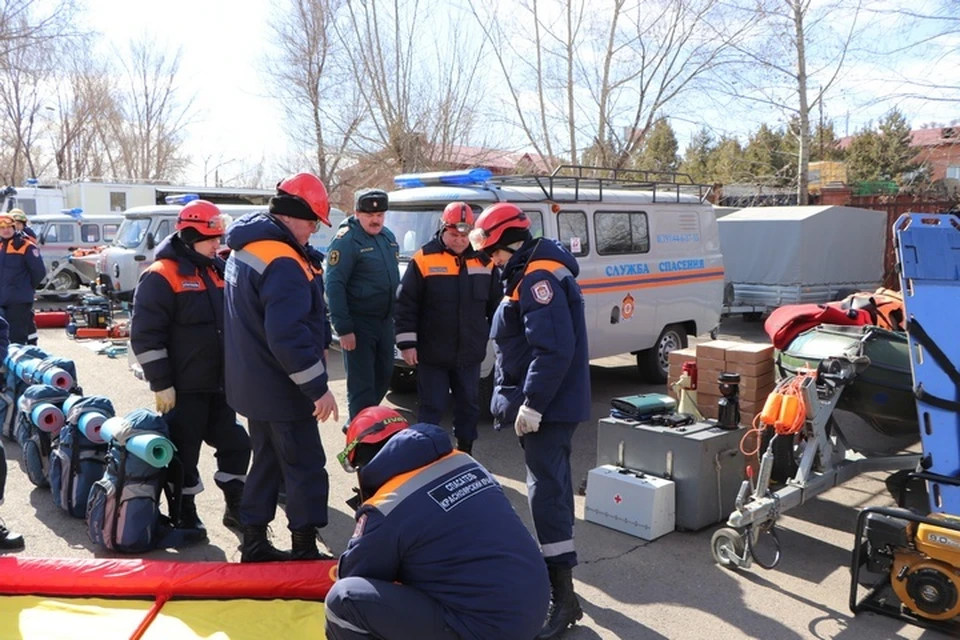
727 547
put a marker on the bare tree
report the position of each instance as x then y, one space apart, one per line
925 36
151 122
23 73
28 23
798 61
600 78
311 75
418 107
85 96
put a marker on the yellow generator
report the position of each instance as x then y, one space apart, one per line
915 565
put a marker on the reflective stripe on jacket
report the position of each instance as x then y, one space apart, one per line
445 305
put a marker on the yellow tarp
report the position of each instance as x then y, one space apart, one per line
40 618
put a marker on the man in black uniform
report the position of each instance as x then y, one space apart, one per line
176 333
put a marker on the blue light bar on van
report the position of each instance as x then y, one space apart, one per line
31 182
438 178
182 198
76 212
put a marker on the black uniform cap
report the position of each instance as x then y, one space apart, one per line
371 201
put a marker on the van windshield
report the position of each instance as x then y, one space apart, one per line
413 229
131 233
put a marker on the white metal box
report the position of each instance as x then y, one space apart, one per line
629 501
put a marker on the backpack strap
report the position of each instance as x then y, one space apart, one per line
74 455
118 493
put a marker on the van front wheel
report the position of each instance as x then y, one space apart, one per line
654 363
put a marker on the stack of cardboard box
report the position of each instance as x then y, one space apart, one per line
754 363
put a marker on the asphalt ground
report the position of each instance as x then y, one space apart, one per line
629 588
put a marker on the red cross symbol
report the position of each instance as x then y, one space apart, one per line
617 499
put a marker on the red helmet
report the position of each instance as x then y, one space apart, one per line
458 215
205 217
493 221
308 190
370 426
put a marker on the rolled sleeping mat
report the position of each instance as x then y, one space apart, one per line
25 367
47 417
57 377
152 448
90 424
71 400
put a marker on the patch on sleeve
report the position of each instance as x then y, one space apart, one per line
361 523
542 292
34 252
333 258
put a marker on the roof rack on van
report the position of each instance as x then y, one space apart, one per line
585 178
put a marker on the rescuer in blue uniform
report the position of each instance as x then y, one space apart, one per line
21 223
362 277
438 553
21 272
176 333
9 540
445 304
276 339
542 382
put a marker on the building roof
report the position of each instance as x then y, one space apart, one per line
795 213
930 137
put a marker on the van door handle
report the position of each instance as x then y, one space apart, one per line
139 258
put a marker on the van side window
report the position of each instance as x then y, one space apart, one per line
163 230
27 205
89 233
572 228
59 233
536 222
110 232
619 233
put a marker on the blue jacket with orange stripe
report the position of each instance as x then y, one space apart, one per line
445 305
21 270
275 324
439 522
176 330
540 337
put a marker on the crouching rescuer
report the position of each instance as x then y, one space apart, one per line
277 334
542 382
176 333
438 553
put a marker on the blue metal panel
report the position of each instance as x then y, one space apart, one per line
928 250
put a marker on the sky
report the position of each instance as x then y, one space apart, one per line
223 44
236 123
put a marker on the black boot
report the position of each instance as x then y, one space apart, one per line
189 518
465 445
257 548
232 494
564 606
10 541
305 545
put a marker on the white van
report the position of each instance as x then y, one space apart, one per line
120 265
61 236
650 265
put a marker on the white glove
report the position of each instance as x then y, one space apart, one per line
528 420
166 400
